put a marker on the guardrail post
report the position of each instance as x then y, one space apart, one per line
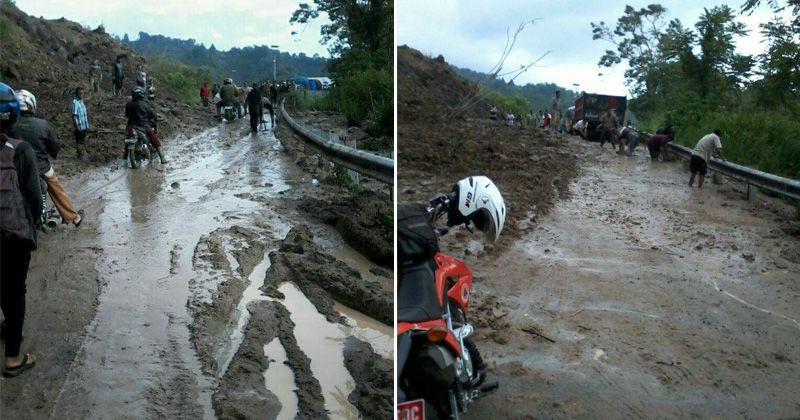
353 174
752 192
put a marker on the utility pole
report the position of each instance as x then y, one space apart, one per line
274 63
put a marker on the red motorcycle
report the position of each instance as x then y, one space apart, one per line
440 369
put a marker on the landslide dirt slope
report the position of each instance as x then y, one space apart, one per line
51 58
436 148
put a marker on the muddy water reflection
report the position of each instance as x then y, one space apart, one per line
279 379
322 342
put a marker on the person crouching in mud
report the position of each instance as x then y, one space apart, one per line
141 116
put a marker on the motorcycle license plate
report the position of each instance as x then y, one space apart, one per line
411 410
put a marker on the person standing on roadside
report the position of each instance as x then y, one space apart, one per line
46 144
119 77
21 199
555 110
708 146
141 77
204 94
610 126
273 93
95 76
80 121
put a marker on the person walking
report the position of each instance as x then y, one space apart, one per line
708 146
46 144
80 121
95 76
254 107
204 94
21 199
555 110
119 77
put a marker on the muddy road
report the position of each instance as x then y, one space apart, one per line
638 297
153 308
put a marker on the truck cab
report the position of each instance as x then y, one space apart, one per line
591 107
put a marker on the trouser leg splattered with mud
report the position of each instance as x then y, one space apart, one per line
60 199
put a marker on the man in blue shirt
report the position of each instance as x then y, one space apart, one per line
80 120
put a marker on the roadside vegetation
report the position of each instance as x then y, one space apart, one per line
360 40
183 81
693 78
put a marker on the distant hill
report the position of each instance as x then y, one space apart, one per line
242 64
538 95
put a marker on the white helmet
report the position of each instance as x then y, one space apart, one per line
27 102
480 202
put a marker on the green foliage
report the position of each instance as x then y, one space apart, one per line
341 177
538 95
385 222
505 103
182 80
694 79
242 64
761 140
360 39
366 96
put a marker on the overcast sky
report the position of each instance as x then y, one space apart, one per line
472 33
224 23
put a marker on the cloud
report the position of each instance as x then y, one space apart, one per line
226 24
472 33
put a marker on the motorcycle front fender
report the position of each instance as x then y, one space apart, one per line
404 342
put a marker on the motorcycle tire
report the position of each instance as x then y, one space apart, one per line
132 156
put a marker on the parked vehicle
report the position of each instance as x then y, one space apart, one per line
590 107
440 369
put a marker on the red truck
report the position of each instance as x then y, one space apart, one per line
591 107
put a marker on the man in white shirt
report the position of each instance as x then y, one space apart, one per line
707 146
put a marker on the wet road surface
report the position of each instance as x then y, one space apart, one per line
662 301
138 358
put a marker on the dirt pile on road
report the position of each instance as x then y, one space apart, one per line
531 167
50 58
322 278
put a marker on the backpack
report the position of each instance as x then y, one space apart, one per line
13 212
416 237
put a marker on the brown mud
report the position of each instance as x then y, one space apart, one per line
638 295
617 291
374 383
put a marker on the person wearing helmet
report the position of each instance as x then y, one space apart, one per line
142 117
229 94
21 199
46 144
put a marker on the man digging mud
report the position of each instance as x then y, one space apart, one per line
706 147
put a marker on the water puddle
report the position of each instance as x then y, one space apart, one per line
362 264
379 335
279 379
242 316
322 342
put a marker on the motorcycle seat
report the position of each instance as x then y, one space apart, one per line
416 294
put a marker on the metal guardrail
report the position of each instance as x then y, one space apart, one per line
752 177
368 164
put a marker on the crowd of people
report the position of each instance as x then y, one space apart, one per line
614 132
249 100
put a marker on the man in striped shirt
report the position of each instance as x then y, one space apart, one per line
80 120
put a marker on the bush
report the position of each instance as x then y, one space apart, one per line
765 141
183 81
504 103
366 96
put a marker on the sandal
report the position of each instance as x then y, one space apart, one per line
80 212
17 370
